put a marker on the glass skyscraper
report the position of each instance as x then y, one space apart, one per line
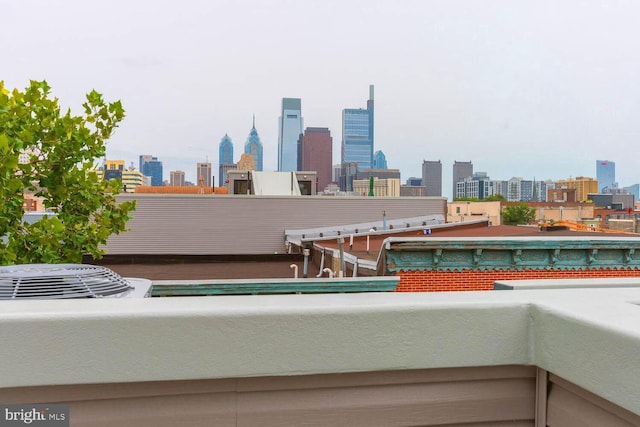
253 146
606 175
290 126
152 167
357 135
225 158
379 160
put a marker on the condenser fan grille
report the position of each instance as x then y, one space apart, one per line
59 281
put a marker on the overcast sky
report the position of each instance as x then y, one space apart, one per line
521 88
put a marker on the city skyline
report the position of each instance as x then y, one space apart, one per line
534 90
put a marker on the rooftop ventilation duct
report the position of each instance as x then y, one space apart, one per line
63 281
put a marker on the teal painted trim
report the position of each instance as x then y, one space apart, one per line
274 286
513 255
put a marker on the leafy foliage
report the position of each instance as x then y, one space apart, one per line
518 214
494 198
60 150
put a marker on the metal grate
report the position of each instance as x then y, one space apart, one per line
60 281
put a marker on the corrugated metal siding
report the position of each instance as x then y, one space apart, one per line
228 225
571 406
466 397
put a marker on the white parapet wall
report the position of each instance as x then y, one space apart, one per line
587 336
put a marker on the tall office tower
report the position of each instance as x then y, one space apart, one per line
606 175
152 167
316 149
176 178
432 178
357 135
225 158
379 160
253 146
461 170
204 174
290 125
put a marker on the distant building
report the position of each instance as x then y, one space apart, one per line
203 175
412 191
316 154
519 190
583 185
290 126
618 202
253 146
152 167
379 160
432 178
478 186
176 178
379 173
224 172
348 172
225 158
386 187
606 175
564 195
357 135
461 170
114 169
414 181
246 162
635 190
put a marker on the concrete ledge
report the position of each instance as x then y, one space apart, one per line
588 336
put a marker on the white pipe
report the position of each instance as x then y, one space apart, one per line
295 270
321 264
328 270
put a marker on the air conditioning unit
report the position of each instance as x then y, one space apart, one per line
64 281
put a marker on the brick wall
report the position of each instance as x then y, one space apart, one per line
472 280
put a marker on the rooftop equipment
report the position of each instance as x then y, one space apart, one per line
64 281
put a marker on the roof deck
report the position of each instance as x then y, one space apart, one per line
216 353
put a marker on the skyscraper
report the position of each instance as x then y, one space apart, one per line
432 178
316 150
253 146
204 174
225 158
357 134
606 175
379 160
461 170
152 167
290 125
177 178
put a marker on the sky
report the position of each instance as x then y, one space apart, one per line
539 90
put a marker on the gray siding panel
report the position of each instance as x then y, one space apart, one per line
466 397
571 406
228 225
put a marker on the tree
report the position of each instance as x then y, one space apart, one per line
494 198
60 151
518 214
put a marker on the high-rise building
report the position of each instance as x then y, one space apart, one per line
432 178
357 135
414 181
290 125
225 158
204 174
583 185
253 146
316 149
606 175
379 160
152 167
177 178
461 170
